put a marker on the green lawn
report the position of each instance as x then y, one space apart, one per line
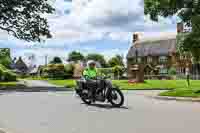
70 83
35 78
149 84
182 90
178 88
8 84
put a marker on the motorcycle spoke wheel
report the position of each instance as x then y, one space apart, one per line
85 97
116 97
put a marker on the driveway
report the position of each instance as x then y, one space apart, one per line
62 112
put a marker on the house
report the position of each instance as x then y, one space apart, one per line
156 56
19 66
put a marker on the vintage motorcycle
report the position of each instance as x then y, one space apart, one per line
102 94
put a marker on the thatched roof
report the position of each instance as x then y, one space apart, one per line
156 47
20 65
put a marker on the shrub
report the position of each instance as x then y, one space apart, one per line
105 71
56 71
9 76
172 71
118 71
69 70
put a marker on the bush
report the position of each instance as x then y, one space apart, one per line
58 71
118 71
69 70
9 76
172 71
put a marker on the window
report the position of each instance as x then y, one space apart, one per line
131 61
149 59
163 59
163 71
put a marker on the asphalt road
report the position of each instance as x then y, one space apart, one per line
50 112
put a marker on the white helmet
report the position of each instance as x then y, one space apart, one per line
91 62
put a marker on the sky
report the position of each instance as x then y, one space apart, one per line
91 26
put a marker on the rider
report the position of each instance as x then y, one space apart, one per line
90 74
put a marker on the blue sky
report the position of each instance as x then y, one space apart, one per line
90 26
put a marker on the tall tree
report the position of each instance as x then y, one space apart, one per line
97 57
56 60
75 56
25 19
116 61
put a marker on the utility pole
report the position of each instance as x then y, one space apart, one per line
46 60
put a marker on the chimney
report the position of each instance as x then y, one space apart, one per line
135 37
180 27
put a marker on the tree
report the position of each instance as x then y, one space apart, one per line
25 19
189 12
56 60
185 9
5 58
118 71
116 61
75 56
97 57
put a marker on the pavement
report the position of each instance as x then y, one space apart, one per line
63 112
37 86
37 83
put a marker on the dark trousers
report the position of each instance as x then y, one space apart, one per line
97 84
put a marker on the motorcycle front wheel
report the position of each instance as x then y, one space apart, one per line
116 97
85 98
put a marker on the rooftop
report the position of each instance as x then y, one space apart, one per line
160 46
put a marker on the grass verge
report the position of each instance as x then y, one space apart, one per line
8 84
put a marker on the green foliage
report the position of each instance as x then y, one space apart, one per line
184 9
7 75
69 69
189 43
172 71
54 71
116 61
58 71
75 56
118 71
5 58
105 71
25 19
97 57
156 8
56 60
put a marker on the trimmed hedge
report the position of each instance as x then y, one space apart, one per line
57 71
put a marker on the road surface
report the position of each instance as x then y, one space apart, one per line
62 112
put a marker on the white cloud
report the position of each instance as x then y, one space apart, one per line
78 21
